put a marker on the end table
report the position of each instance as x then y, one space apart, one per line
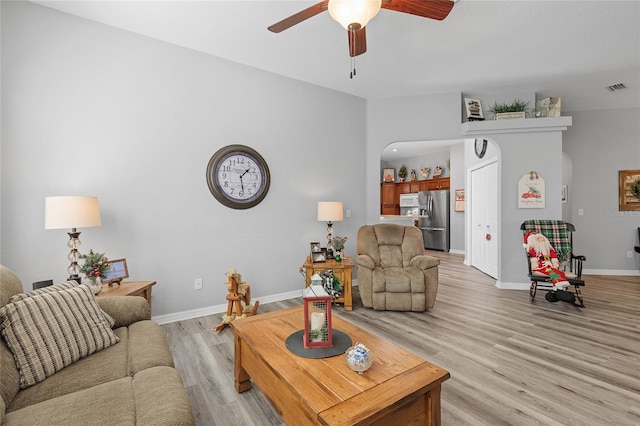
128 288
340 269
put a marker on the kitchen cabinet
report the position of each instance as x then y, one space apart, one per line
390 192
436 183
389 203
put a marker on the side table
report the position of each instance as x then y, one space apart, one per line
128 288
340 269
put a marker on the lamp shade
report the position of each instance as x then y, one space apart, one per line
71 212
350 12
330 211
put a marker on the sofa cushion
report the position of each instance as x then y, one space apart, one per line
54 288
111 403
101 367
153 397
47 332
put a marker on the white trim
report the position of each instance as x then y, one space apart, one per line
611 272
218 309
456 251
512 286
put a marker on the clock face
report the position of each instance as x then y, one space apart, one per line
238 176
481 147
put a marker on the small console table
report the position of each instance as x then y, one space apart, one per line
340 269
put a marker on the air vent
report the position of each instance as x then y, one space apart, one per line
616 87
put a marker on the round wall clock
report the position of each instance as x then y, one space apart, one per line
481 147
238 176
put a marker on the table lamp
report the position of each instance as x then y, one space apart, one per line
72 212
330 211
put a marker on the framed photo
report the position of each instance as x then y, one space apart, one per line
629 189
319 256
474 109
315 247
459 201
389 175
117 273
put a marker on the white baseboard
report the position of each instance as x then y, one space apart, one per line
512 286
219 309
610 272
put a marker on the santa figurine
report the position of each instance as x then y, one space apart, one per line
544 259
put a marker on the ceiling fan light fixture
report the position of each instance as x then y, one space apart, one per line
354 14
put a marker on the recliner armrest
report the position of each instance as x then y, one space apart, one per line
365 261
125 310
424 262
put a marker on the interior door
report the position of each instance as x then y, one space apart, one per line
484 219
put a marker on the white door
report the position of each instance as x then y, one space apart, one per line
484 219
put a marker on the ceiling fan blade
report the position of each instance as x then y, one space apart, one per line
357 42
434 9
299 17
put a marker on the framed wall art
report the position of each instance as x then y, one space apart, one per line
388 175
474 109
629 189
531 191
459 201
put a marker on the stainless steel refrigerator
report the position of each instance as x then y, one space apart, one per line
434 205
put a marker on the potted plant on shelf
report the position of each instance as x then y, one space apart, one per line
402 173
505 111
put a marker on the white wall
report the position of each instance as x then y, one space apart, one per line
92 110
599 144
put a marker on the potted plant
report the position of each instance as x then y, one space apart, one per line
402 173
95 267
337 243
503 111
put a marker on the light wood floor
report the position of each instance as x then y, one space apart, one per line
511 361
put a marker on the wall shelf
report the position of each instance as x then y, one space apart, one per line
489 127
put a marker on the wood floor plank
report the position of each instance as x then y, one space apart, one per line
512 361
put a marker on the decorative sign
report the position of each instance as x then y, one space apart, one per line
458 205
531 192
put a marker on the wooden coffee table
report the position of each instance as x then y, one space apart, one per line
399 388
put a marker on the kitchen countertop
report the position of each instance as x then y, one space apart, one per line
399 216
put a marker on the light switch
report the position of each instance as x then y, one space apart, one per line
580 212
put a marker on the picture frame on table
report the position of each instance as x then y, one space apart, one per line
474 109
118 272
319 256
315 247
629 190
388 175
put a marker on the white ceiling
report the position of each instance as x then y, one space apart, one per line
572 49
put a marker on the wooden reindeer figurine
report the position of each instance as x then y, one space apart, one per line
239 293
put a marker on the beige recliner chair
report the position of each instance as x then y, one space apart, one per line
394 274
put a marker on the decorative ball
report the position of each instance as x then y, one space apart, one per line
359 358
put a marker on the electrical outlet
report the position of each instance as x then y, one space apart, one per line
348 213
580 212
198 283
629 254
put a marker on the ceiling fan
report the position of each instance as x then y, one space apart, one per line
354 15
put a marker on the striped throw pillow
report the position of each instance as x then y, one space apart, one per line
47 332
54 288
